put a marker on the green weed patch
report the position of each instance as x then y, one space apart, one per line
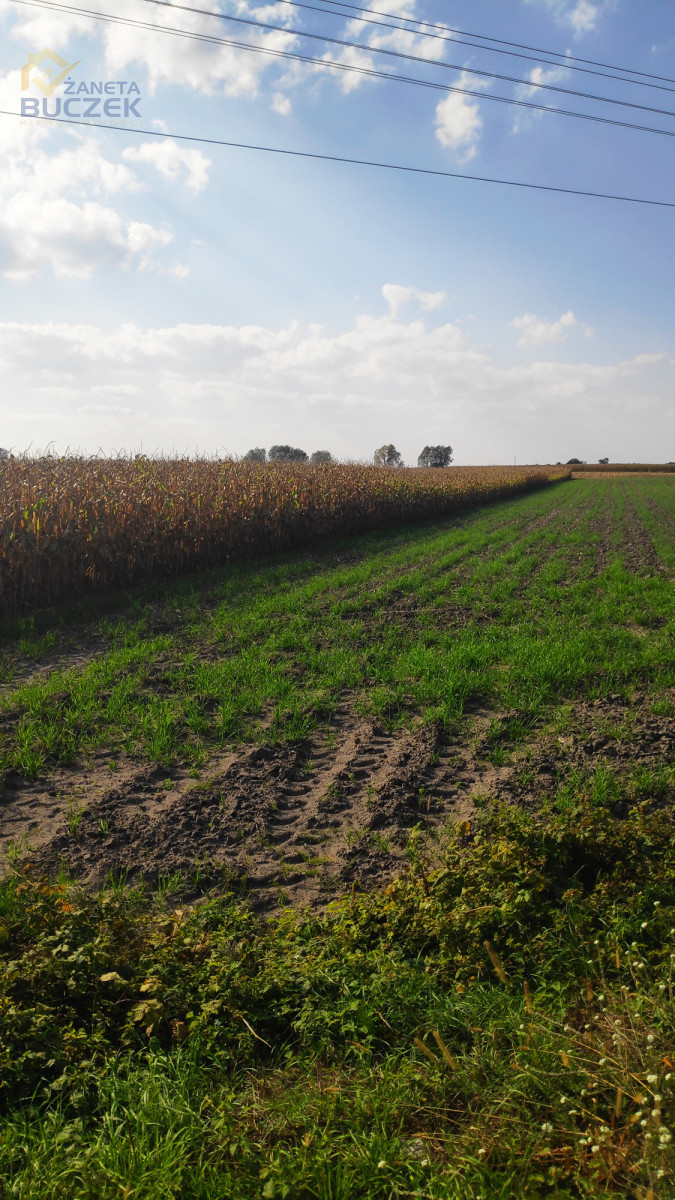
500 1026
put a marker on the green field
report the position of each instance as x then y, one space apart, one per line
351 871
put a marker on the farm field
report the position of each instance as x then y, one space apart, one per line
77 526
351 870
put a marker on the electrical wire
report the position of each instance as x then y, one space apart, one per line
333 65
360 162
568 64
502 42
400 54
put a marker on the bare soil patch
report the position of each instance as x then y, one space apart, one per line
302 823
298 822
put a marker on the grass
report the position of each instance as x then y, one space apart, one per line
497 1026
508 606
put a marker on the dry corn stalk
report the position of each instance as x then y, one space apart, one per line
73 525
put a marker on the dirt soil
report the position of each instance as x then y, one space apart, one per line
303 823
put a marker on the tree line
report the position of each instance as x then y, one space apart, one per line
385 456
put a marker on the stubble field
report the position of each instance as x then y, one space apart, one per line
482 708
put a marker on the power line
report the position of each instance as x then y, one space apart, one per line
397 54
502 42
568 64
339 66
360 162
400 54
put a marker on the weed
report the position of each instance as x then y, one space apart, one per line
652 782
74 817
382 842
332 791
168 884
354 836
15 850
499 756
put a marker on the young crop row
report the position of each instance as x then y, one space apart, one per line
76 525
640 468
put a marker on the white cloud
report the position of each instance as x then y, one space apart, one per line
382 377
364 53
106 409
114 389
201 66
173 161
581 15
401 8
212 68
396 295
40 27
642 360
584 16
281 104
62 200
429 300
55 213
349 80
405 41
458 122
536 332
529 90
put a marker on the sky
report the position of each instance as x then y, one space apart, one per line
170 296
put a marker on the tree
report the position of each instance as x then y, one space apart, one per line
387 456
321 456
574 462
258 454
286 454
435 456
603 460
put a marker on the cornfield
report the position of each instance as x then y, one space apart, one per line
75 525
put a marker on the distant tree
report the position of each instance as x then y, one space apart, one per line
574 462
286 454
435 456
258 454
387 456
321 456
603 460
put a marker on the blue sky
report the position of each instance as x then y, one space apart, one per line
174 296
